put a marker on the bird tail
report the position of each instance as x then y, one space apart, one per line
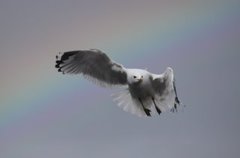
125 101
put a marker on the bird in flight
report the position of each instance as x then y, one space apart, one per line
144 93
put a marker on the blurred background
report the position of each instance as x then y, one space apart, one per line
46 114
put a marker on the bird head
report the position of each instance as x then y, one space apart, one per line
135 78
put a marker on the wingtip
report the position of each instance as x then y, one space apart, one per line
169 69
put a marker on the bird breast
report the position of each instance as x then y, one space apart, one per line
141 89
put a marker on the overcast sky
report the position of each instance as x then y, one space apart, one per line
46 114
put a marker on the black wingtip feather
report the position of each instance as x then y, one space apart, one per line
56 66
66 55
58 62
61 58
177 100
175 108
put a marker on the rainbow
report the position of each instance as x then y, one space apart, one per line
154 39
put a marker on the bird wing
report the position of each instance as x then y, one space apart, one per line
165 91
94 65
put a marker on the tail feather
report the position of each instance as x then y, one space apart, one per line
125 101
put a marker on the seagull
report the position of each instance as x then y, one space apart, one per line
144 93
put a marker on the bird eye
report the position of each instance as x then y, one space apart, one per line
134 76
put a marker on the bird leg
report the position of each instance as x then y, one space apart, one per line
158 110
147 111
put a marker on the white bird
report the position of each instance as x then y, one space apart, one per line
144 93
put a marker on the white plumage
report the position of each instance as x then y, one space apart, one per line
145 92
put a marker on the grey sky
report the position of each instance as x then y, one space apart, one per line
86 122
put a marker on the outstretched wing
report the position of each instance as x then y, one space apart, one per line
165 91
93 64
